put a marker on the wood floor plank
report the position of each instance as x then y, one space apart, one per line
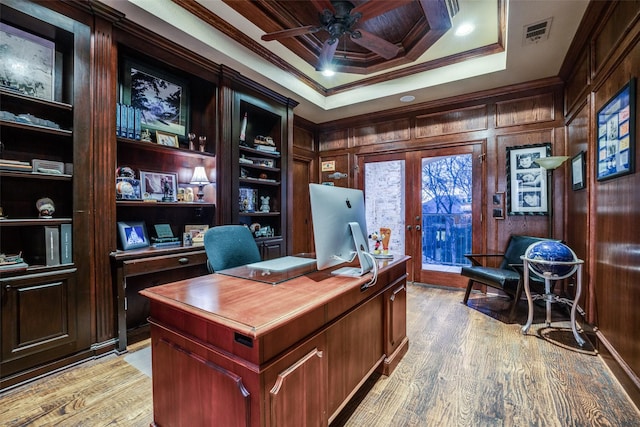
466 366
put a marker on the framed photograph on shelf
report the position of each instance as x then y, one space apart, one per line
159 186
162 98
616 134
196 233
526 181
248 199
578 171
167 139
133 235
28 63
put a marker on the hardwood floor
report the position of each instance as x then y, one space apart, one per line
466 366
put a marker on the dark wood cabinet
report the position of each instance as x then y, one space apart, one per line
134 270
260 167
44 123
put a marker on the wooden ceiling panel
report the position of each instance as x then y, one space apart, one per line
413 26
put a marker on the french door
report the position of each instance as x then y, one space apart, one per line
431 200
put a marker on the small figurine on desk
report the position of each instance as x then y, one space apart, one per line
385 233
264 207
202 141
376 246
192 137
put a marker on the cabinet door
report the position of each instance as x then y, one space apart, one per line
270 249
39 319
298 397
354 348
396 317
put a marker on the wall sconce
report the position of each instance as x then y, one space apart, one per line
200 179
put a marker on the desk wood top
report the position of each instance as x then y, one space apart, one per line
256 308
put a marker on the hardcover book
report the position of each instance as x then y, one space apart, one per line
52 245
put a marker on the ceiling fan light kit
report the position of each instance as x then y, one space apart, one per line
339 18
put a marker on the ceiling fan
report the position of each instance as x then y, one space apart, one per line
339 18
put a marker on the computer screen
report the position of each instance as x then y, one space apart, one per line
339 228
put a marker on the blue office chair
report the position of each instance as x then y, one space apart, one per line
230 246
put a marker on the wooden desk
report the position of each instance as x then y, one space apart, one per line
141 268
228 351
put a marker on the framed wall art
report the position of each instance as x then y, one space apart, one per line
578 169
616 134
27 64
162 98
526 180
133 235
159 186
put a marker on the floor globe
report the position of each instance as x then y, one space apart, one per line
551 258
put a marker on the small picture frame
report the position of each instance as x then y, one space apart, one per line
578 169
498 205
526 180
197 232
616 134
167 139
133 235
248 199
159 186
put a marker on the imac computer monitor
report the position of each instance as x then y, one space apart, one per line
339 228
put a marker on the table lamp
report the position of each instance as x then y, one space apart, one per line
200 179
549 164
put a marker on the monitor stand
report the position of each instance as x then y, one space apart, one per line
361 246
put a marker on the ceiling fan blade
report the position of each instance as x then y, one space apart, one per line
373 8
326 54
321 5
290 33
375 44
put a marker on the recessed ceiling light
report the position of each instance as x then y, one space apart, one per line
465 29
407 98
328 72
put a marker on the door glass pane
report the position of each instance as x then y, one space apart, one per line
384 199
446 212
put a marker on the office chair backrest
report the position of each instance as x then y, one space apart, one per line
230 246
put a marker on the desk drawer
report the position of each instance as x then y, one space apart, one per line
139 266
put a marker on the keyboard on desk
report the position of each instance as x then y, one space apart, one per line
282 264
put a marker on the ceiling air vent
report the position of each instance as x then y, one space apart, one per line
537 32
453 7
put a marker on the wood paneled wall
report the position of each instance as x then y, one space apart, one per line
604 219
506 117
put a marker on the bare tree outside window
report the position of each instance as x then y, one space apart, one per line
446 210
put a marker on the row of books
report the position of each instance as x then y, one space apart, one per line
128 121
15 165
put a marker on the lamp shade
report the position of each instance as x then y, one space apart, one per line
552 162
199 176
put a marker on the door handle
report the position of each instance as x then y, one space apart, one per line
409 227
417 228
